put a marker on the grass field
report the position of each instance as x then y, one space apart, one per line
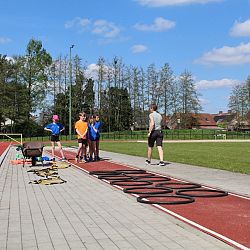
234 156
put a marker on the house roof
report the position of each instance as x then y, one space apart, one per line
205 119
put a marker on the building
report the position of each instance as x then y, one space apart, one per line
203 120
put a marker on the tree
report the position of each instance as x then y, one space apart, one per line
13 104
100 81
89 95
239 101
61 108
78 89
6 74
123 121
34 74
153 86
166 83
248 91
135 95
189 100
125 117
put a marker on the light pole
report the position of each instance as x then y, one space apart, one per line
70 86
115 75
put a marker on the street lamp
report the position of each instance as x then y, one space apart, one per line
115 75
70 86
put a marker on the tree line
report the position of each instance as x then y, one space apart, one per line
239 102
35 86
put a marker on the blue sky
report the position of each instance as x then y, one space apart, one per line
209 38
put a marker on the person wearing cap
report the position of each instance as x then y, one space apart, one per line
55 128
81 127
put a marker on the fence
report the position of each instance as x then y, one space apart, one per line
168 135
179 135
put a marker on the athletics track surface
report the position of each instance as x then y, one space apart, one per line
226 218
3 146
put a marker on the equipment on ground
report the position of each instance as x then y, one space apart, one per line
32 150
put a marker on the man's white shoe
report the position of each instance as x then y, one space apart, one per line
161 163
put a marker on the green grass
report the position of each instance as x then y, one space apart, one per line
230 156
234 157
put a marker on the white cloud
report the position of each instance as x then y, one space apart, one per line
78 22
4 40
160 24
204 101
241 29
214 84
161 3
139 48
92 71
105 28
102 28
10 59
227 55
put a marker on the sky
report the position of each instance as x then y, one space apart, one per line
208 38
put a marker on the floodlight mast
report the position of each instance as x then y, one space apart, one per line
70 89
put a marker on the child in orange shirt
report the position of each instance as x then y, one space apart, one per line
81 127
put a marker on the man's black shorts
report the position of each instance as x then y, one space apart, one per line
156 135
83 141
55 138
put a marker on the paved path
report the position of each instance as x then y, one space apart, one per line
86 213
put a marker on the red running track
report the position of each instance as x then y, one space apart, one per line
3 146
226 218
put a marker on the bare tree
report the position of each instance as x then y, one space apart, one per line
239 99
100 81
188 99
166 83
153 86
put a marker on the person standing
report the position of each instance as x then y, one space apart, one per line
55 128
92 133
155 134
97 127
81 127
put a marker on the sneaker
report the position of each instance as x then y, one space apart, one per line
98 158
82 160
63 159
148 162
90 158
161 163
76 159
